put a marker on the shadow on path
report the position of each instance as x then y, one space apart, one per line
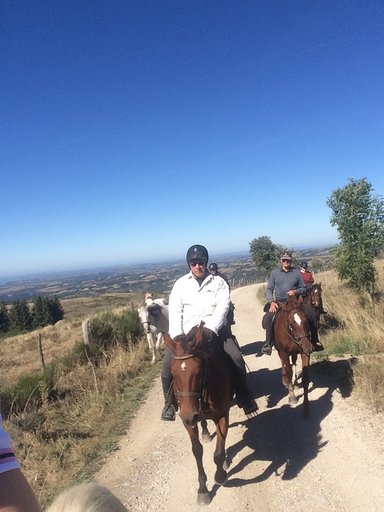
282 436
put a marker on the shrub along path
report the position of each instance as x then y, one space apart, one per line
279 461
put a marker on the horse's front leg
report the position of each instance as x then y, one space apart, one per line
305 381
151 346
287 374
205 435
159 338
219 455
203 496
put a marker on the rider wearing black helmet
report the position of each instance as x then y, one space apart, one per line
213 268
306 274
197 297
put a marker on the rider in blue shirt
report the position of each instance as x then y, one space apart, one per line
282 282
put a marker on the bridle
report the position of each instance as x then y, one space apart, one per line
193 394
291 334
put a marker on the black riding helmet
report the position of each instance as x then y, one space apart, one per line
197 252
213 267
303 264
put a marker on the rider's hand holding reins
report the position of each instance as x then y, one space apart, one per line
273 307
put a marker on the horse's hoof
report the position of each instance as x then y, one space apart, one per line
221 479
203 499
206 437
292 400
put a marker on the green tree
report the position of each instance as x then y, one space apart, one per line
41 314
20 318
46 311
4 320
317 265
359 217
265 254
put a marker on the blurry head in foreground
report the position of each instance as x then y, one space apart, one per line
89 497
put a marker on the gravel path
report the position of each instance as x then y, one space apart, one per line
279 461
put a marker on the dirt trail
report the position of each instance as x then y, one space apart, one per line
279 461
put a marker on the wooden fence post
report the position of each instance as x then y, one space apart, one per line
41 355
85 325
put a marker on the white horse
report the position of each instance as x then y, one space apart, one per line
89 497
154 316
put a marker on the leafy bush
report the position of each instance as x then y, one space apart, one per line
109 329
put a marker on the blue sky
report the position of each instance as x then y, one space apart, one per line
132 129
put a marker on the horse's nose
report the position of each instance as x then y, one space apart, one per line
191 420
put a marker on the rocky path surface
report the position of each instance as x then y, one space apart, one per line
280 462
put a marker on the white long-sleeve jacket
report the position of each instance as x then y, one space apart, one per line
190 304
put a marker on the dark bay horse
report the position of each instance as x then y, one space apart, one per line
292 338
314 300
203 386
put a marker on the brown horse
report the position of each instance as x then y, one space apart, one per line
292 338
203 386
314 300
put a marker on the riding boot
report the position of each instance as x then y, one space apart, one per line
244 399
169 411
317 345
243 394
267 347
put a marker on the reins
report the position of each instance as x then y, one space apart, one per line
295 339
193 394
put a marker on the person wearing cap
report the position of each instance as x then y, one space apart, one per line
306 274
284 281
214 270
197 297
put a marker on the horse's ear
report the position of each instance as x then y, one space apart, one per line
300 300
168 341
199 335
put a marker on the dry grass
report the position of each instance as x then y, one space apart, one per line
354 326
19 354
66 439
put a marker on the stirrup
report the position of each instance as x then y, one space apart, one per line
168 413
250 407
266 349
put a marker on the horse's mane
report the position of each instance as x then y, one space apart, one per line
189 344
292 303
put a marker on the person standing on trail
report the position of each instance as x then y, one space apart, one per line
282 282
197 297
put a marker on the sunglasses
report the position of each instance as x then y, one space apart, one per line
286 261
199 262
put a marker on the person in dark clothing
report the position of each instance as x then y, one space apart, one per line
284 281
214 270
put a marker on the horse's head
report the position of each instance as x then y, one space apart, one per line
144 318
148 299
297 323
187 371
315 294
